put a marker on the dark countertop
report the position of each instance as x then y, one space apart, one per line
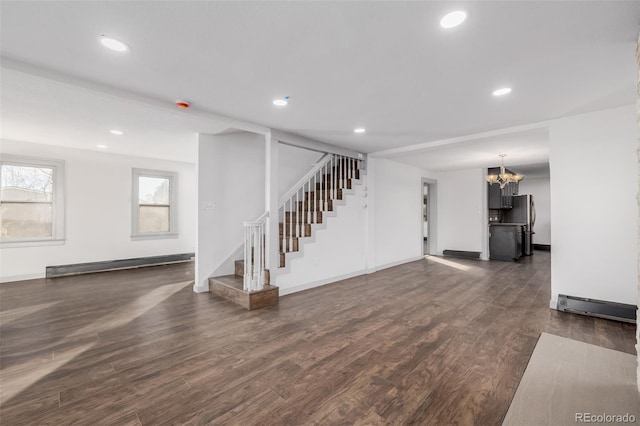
506 224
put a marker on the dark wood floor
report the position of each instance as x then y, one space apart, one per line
421 343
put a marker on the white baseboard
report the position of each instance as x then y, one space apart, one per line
392 264
14 278
553 304
307 286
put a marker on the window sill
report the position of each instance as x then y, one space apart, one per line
31 243
153 237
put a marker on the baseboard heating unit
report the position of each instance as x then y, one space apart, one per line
597 308
112 265
461 253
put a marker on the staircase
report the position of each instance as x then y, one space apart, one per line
302 209
299 216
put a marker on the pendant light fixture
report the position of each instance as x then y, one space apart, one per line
504 178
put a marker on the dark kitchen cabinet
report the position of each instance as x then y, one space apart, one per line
495 197
505 241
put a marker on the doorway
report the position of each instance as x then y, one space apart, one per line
428 216
425 220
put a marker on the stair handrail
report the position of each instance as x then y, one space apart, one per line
304 179
331 172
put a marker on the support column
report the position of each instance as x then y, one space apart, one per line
272 259
204 212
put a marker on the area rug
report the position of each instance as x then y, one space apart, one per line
569 382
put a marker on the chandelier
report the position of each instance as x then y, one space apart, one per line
504 178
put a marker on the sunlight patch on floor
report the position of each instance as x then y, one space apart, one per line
448 263
7 317
18 378
132 310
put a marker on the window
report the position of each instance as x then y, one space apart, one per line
154 200
31 200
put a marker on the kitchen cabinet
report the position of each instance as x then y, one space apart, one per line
505 241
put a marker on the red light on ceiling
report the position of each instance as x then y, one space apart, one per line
183 104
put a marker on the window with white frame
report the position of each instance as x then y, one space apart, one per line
31 200
154 204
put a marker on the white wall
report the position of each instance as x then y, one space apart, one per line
231 176
459 222
594 181
395 212
293 164
540 189
231 172
461 211
98 211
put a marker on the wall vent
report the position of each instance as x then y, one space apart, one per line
597 308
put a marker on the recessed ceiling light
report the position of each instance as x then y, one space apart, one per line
113 44
502 91
453 19
359 130
102 146
281 101
116 132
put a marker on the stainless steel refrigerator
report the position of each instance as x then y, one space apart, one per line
523 211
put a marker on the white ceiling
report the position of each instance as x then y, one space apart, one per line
526 151
41 110
386 66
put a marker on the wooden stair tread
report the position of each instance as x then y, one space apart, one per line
230 287
232 281
236 282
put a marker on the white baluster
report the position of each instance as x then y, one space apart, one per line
330 177
308 215
315 200
261 263
323 176
284 230
350 168
335 176
339 174
260 254
298 222
253 258
291 216
245 278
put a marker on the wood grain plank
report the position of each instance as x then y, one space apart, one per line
424 342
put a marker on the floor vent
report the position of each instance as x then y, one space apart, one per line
597 308
461 253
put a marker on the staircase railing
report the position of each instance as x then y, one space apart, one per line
254 253
313 194
306 200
